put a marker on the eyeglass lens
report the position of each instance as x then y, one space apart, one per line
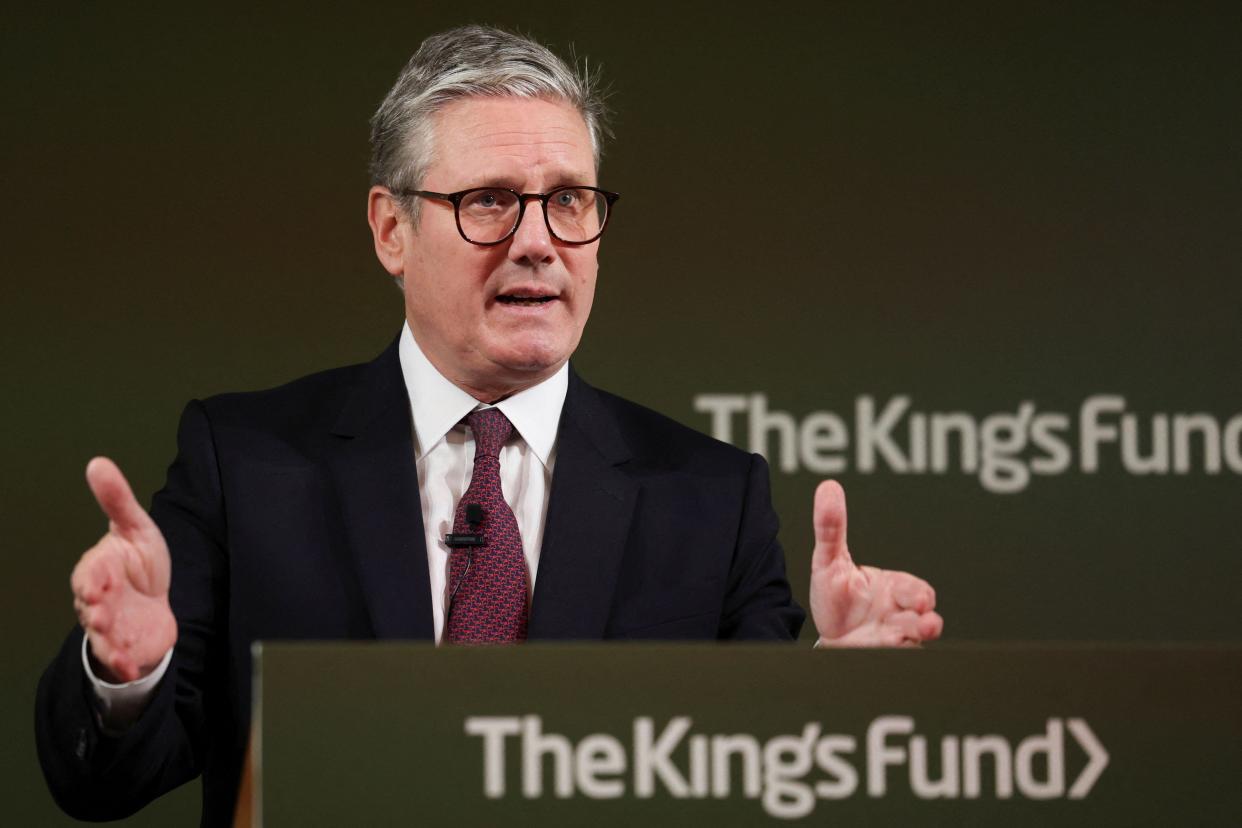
488 215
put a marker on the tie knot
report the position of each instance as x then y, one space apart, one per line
491 429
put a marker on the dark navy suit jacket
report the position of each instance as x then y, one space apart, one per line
294 514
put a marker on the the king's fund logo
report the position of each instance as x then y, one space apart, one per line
787 773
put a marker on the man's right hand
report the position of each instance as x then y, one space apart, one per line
120 586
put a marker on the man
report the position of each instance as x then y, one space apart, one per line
356 504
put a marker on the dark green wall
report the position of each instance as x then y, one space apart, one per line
974 206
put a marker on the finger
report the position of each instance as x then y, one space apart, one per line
910 627
115 497
830 524
122 666
912 592
92 577
108 662
901 627
97 619
931 625
126 668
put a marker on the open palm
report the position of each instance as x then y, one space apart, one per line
120 585
862 606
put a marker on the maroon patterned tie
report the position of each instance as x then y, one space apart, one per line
487 584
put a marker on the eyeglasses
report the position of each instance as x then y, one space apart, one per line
490 215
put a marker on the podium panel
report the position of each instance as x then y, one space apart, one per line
397 734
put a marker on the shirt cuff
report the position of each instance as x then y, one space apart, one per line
120 705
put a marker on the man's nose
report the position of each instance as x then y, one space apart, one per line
532 242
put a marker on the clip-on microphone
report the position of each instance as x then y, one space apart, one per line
467 541
473 538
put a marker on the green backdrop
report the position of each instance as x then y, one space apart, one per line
966 205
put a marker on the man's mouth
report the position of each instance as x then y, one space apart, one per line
524 300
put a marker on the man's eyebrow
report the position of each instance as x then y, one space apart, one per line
503 181
574 179
509 182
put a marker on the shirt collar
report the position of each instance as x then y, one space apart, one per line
437 404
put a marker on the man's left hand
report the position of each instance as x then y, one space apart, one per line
861 606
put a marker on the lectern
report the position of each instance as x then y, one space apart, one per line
400 734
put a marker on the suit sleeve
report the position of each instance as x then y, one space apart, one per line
96 774
759 604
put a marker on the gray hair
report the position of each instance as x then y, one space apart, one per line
462 62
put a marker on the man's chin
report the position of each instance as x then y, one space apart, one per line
532 367
536 355
506 373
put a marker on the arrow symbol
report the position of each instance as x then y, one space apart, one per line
1097 758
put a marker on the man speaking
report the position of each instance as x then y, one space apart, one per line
465 487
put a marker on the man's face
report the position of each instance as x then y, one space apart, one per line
472 308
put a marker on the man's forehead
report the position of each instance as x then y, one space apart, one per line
506 130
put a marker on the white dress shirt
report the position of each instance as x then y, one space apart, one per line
444 460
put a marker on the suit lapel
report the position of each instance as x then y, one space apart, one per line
588 520
373 467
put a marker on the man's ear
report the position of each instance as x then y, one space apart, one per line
384 215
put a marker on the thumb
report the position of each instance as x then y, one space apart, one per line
830 524
115 497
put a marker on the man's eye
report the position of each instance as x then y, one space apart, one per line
567 198
488 199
